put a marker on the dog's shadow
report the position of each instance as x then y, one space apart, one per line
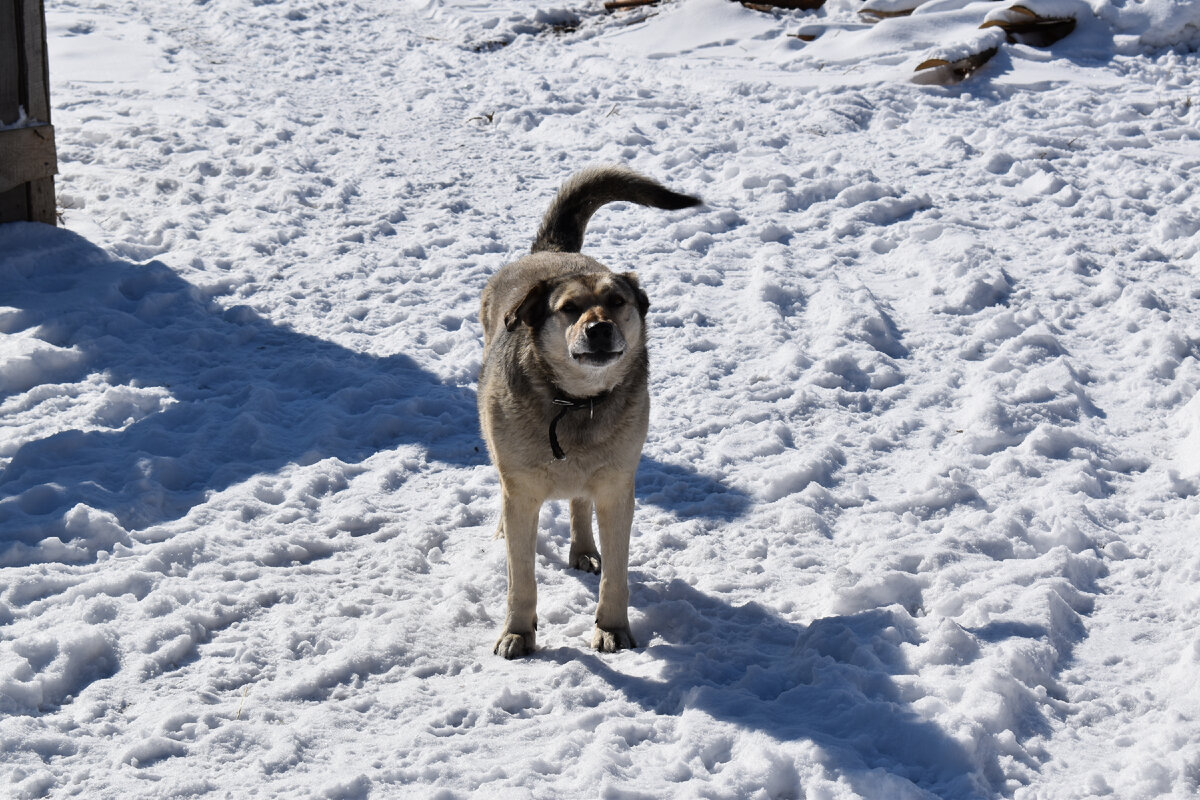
204 395
829 682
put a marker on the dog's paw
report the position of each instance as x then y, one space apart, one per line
610 640
587 562
515 645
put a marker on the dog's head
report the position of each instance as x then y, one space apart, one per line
589 328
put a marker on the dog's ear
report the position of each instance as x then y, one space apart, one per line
532 311
643 302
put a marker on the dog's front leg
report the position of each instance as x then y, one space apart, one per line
583 554
614 513
520 516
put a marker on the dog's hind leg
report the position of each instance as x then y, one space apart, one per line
519 517
614 512
583 555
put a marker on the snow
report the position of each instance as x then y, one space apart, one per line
917 516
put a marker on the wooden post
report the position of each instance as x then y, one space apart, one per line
618 5
771 5
28 159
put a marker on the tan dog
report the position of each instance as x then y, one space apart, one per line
563 402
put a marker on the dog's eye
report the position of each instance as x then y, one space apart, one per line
569 308
616 301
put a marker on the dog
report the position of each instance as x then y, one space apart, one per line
563 399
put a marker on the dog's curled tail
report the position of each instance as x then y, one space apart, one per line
567 218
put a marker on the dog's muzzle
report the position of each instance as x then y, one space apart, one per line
600 344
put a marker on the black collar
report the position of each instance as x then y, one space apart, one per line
567 404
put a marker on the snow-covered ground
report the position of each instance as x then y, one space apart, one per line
918 511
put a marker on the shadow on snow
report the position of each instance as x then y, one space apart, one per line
829 682
246 396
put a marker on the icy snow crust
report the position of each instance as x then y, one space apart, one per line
918 512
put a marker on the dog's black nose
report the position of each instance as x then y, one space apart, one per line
600 335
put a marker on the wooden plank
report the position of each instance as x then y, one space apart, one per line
10 64
793 5
26 154
941 72
618 5
36 94
42 202
14 202
43 205
28 159
14 205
